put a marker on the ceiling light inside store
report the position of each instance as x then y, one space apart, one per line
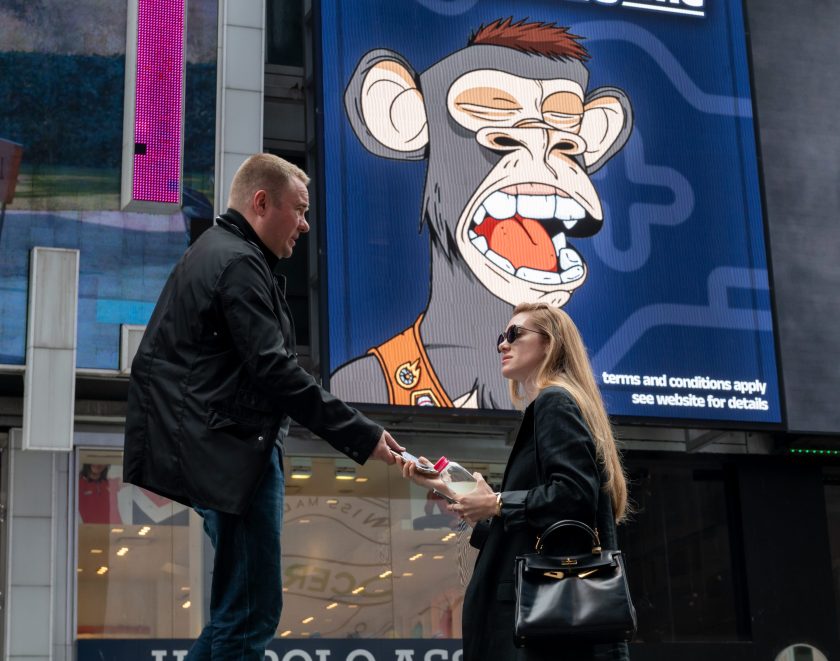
332 501
145 530
117 530
352 606
332 605
301 468
437 557
416 556
361 479
122 551
96 551
385 574
307 620
345 469
102 570
406 574
359 589
286 633
186 604
446 538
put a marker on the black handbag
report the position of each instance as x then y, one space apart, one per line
572 596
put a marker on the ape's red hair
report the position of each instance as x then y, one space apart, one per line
546 39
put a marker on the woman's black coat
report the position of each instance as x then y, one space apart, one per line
563 484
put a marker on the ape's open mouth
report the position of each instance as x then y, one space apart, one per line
522 229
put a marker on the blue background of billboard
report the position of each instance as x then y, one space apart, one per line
678 278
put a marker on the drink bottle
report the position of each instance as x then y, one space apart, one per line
456 478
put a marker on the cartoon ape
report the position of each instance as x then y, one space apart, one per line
511 135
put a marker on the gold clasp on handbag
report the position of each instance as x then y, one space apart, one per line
555 574
568 562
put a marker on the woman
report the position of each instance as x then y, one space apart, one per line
563 464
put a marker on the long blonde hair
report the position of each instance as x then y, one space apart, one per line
567 365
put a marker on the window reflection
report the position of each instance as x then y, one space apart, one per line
133 577
367 554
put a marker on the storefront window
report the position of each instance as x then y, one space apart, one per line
366 555
133 556
680 564
832 510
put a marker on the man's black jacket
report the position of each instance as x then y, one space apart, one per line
216 376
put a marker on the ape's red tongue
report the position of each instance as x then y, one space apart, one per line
522 241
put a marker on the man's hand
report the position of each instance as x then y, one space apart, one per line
382 451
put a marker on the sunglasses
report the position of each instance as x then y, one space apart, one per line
513 333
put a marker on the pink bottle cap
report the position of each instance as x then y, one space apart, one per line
442 463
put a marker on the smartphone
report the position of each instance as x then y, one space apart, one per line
448 499
422 467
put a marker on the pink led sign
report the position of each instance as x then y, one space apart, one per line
155 148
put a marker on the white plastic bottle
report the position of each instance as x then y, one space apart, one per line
455 477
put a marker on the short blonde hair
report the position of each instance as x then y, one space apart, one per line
261 172
566 364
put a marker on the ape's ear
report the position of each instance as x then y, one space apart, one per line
386 108
607 122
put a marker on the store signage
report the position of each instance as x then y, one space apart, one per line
280 650
611 173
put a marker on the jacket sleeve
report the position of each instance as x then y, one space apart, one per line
247 302
567 464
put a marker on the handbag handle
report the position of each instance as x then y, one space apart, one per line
569 523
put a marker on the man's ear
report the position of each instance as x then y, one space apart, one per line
607 123
385 106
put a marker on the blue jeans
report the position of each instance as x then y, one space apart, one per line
246 596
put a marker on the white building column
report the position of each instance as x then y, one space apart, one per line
39 522
239 91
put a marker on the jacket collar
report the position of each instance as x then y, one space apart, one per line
235 222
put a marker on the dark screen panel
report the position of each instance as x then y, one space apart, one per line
794 55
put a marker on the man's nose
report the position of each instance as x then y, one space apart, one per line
303 226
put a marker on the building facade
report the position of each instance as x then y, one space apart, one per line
734 549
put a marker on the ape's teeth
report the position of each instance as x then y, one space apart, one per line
569 259
481 243
559 242
572 274
538 277
569 224
500 261
535 206
479 215
567 209
472 235
500 205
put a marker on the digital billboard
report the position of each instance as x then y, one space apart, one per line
61 101
597 156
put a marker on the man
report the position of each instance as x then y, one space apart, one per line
213 384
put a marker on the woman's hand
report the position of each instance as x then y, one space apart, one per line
477 505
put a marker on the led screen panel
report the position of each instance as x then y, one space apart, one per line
154 105
599 157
